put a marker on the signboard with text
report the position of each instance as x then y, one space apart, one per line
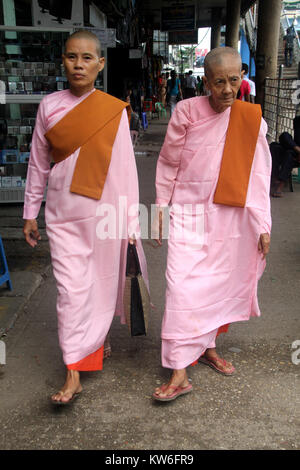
107 36
58 13
200 56
291 5
178 18
183 37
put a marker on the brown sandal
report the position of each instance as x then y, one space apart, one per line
177 391
60 402
212 363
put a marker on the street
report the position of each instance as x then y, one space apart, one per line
257 408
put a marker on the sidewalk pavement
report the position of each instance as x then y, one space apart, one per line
28 267
258 408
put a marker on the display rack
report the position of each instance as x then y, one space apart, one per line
30 68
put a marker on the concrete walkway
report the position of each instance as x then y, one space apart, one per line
258 408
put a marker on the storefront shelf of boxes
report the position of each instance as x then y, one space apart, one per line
30 68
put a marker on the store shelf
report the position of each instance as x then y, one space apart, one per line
14 195
28 45
18 98
8 195
30 70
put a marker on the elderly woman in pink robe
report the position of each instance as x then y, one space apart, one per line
216 252
88 250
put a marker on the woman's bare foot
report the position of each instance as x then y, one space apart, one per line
179 379
217 362
107 348
71 388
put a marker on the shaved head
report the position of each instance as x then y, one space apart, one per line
223 67
220 56
82 61
85 34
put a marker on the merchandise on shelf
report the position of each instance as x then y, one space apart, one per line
30 68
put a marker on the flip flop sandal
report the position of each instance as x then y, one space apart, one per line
177 391
214 366
72 399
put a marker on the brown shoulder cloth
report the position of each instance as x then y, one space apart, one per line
91 126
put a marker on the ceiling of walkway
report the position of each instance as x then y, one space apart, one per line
152 8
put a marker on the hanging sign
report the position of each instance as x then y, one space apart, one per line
183 37
58 13
107 36
291 5
178 18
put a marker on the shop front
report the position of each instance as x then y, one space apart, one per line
30 68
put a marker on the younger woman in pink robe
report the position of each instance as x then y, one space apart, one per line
89 267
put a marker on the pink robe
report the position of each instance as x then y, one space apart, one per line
89 271
212 272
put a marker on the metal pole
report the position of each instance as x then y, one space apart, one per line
181 64
269 12
233 13
277 97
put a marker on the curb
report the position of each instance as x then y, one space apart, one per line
13 302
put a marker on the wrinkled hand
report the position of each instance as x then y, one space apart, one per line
31 232
264 244
157 226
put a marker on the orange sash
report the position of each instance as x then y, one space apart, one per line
240 145
91 126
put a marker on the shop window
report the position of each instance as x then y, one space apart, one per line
16 12
30 67
23 12
161 44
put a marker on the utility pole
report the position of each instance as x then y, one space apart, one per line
269 12
233 15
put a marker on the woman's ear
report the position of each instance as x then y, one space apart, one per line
101 63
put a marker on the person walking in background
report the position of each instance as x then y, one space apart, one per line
183 82
244 91
288 42
245 70
162 90
173 91
199 86
134 119
190 86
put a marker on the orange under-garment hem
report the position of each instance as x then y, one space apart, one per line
93 361
222 329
